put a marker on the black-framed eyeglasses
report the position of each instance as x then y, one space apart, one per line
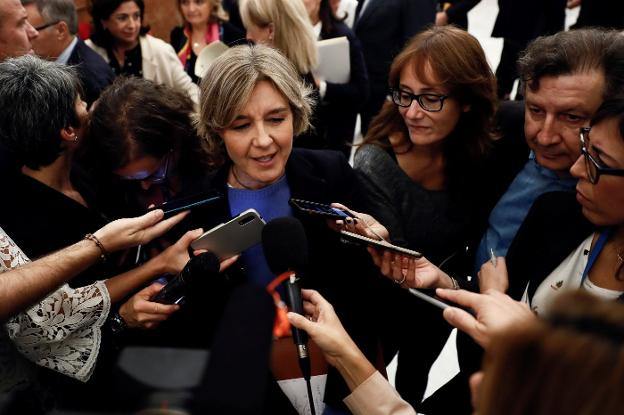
429 102
46 25
593 167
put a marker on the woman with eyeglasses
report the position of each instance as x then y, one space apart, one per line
121 38
570 241
141 135
422 164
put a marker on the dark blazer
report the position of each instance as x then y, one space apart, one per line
340 106
344 274
520 21
553 228
384 27
94 73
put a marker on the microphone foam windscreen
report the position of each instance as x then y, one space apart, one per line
285 245
202 264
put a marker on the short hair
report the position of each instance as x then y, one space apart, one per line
217 12
135 117
57 11
565 53
230 80
38 100
102 10
458 63
293 33
611 109
572 362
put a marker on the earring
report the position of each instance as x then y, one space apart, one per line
75 137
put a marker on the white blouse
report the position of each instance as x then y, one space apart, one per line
62 332
567 276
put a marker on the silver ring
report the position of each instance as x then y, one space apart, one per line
402 281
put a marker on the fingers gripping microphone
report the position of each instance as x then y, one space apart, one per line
199 266
286 251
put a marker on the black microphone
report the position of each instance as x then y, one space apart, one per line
200 266
285 247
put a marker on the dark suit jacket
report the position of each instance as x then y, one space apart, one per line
553 228
520 21
384 27
94 73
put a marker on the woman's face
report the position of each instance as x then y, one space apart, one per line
260 139
427 128
124 24
195 12
603 202
312 7
260 34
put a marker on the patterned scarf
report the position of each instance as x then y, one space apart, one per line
212 34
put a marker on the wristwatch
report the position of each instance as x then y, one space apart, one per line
117 324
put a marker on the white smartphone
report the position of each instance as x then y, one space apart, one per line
233 237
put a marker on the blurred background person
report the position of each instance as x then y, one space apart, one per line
598 13
339 103
420 166
384 27
205 21
518 23
264 105
57 24
120 37
285 25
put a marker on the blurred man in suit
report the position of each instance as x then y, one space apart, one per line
383 27
57 24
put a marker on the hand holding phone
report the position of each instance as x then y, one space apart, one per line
358 239
233 237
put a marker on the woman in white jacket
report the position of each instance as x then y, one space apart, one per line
121 39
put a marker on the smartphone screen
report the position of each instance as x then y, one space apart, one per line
320 209
175 206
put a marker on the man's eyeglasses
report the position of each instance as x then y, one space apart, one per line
428 102
157 176
593 167
46 25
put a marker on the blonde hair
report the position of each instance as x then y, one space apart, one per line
229 82
293 32
217 12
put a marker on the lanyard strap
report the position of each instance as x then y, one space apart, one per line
593 255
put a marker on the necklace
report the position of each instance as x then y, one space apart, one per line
233 170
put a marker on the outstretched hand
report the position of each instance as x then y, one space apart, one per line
494 312
140 312
364 224
408 271
128 232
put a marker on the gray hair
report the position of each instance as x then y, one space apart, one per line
230 80
57 11
41 96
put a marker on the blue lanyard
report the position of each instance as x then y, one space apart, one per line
604 235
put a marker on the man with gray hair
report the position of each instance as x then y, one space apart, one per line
57 24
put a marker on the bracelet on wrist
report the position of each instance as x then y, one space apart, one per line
96 241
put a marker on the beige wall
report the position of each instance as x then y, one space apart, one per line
161 15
